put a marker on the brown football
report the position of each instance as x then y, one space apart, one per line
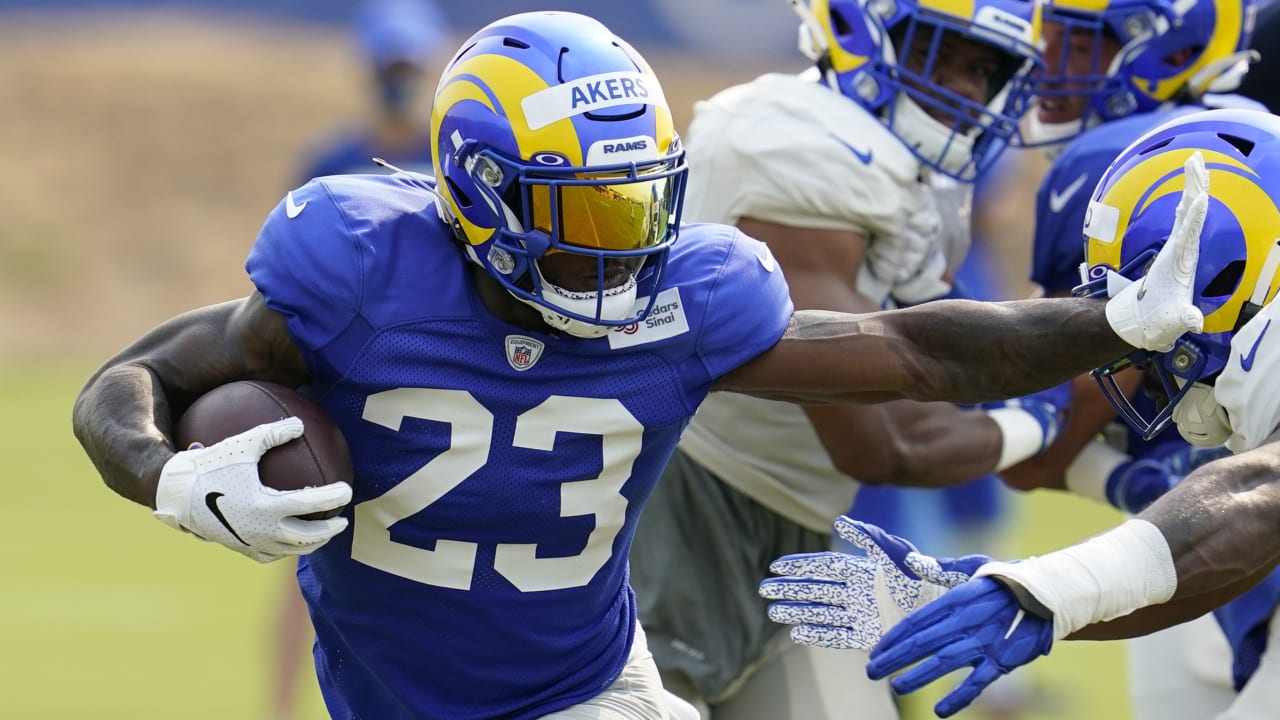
319 457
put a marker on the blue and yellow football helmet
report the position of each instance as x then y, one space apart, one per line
860 47
1168 51
1131 214
552 135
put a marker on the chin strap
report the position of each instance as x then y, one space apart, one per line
617 304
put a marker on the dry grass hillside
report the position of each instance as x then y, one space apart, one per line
142 151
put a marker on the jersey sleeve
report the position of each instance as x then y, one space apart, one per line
306 263
1061 203
748 308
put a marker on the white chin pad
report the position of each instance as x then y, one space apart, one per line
616 304
932 139
1200 419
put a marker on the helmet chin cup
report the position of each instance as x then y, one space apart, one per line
608 308
933 141
1200 419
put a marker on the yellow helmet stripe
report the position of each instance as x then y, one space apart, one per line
953 8
842 61
1223 43
1254 211
1126 191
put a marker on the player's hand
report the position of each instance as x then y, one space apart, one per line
929 283
1135 484
1246 387
1046 410
845 601
978 624
1153 312
215 494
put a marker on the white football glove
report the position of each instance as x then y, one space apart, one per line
911 264
1247 388
214 493
1156 310
844 601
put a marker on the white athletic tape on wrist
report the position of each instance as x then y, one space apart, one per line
1102 578
1022 432
1087 475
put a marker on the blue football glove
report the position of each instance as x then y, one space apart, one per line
838 600
978 624
1047 407
1135 484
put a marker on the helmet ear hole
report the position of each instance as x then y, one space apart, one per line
463 200
839 23
1226 281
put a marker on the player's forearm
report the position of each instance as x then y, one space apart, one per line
122 420
1220 521
971 351
1206 541
914 445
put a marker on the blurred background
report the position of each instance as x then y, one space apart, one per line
144 141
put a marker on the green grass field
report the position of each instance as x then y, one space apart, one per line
107 614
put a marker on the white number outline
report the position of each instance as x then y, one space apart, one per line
452 563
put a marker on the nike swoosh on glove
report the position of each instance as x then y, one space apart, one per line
838 600
215 494
978 624
1153 312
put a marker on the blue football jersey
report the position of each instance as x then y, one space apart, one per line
499 472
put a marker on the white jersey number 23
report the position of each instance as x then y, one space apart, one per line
452 563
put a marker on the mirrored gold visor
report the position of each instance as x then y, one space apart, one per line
610 214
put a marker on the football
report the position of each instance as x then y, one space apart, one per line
321 456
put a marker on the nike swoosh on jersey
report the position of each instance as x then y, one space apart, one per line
291 208
1058 198
765 257
1246 361
863 155
211 500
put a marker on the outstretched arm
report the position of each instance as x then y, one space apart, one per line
903 443
124 415
1220 524
973 352
953 350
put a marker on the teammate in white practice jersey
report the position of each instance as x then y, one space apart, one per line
856 175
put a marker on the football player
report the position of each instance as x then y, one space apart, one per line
1114 70
400 42
856 174
1205 541
512 349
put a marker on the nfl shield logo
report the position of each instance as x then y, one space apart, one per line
523 352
